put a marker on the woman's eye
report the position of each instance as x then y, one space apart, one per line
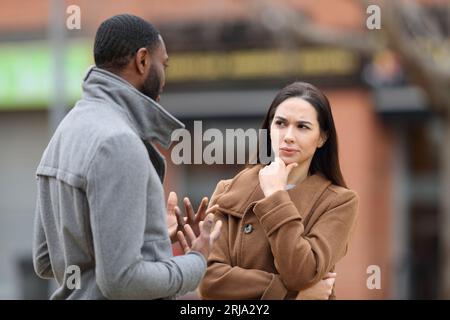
301 126
279 123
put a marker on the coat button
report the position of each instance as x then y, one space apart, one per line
248 228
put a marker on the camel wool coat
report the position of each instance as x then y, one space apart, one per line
273 247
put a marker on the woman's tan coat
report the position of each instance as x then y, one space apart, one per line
271 248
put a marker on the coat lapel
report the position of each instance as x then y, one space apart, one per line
306 194
244 191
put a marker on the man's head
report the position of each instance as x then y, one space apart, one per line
132 48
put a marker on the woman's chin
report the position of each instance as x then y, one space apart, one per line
287 160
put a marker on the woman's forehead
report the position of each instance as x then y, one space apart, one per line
296 109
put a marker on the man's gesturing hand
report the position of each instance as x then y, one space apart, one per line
209 233
175 219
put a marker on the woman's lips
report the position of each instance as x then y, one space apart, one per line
288 151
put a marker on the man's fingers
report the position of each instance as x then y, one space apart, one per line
172 197
216 231
212 209
183 242
172 201
189 232
207 224
189 210
201 212
180 220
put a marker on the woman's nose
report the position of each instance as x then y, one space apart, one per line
289 137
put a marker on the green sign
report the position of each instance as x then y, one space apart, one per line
26 68
26 73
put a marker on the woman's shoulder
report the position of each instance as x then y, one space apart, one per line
240 184
248 173
222 185
342 194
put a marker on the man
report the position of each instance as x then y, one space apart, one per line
100 205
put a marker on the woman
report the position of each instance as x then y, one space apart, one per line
286 224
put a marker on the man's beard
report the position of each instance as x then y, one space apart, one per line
152 85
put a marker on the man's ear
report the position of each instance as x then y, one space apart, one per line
142 60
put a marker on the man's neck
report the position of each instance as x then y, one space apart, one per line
126 75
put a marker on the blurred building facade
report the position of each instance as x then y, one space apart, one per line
225 69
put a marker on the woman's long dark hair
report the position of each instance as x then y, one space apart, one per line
325 159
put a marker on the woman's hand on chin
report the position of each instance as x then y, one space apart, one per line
273 177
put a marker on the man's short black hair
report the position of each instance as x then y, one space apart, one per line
120 37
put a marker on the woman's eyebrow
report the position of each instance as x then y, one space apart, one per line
298 122
304 122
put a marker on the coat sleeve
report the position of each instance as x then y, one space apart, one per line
41 257
117 191
224 281
303 259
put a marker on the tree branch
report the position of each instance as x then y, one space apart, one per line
433 78
396 19
302 29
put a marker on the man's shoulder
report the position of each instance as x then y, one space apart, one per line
96 122
98 115
121 141
85 132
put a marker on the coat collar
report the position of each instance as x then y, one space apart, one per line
244 191
150 121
